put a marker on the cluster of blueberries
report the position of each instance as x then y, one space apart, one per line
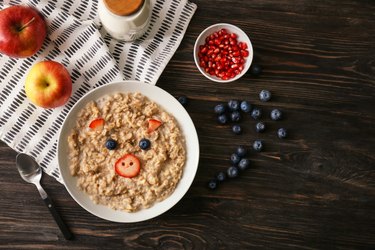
232 111
239 163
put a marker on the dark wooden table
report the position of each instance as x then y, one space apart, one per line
315 189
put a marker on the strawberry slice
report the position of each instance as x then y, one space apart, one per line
153 124
97 123
128 166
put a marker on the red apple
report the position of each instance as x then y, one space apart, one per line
48 84
22 31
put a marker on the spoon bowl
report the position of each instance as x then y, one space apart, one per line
31 172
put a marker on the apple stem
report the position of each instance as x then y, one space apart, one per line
26 24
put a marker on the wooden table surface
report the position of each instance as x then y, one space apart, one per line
313 190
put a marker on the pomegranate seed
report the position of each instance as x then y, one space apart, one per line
244 53
242 45
236 53
233 35
232 42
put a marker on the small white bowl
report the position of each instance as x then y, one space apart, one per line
241 37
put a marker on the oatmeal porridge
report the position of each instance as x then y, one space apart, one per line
126 151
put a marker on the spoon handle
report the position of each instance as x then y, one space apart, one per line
64 229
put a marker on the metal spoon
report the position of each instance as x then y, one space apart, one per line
31 172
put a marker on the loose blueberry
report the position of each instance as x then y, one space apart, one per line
260 127
235 116
258 145
235 159
282 133
237 129
245 106
232 172
220 109
276 114
256 70
212 184
264 95
234 105
221 176
144 144
183 100
110 144
222 119
256 113
244 164
241 151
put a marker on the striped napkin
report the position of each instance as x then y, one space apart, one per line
77 40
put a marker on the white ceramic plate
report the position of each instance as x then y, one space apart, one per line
168 103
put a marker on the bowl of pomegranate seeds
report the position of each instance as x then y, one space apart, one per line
223 52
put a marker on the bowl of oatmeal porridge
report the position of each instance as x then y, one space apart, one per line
128 151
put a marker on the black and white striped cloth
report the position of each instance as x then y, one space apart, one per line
77 40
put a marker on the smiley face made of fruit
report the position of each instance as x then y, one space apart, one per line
128 165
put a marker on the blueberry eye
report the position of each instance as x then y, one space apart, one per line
110 144
144 144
